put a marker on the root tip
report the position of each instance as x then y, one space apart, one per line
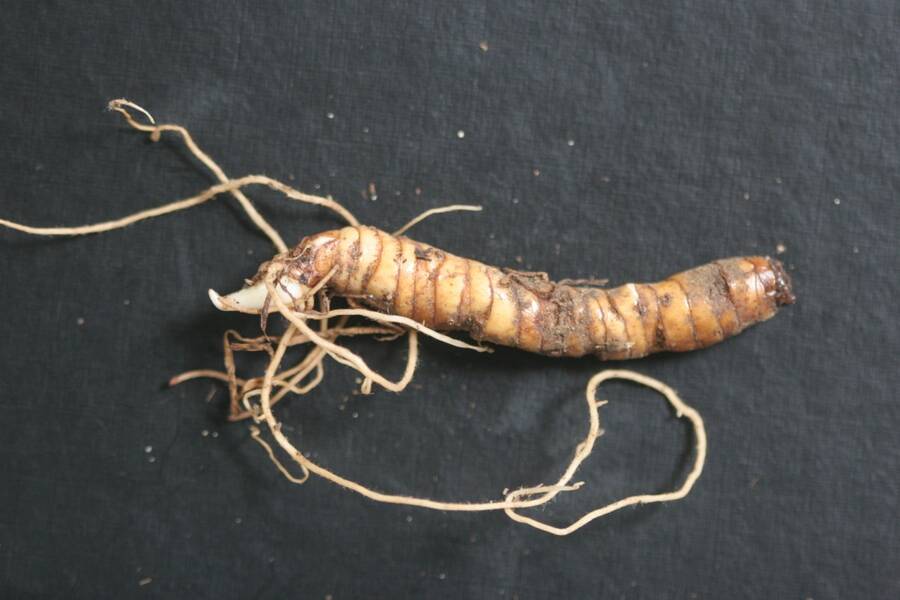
217 300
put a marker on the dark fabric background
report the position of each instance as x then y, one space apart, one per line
698 130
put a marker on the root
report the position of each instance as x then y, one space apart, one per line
528 497
232 186
584 449
435 211
254 397
255 434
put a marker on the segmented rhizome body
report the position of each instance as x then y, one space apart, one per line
394 274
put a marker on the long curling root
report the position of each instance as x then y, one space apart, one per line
526 497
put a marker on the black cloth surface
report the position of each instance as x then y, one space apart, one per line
604 139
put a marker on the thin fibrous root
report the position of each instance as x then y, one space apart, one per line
436 211
229 186
379 317
584 449
255 434
527 497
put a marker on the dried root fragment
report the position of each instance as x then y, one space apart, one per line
404 288
426 286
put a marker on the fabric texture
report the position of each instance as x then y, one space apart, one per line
622 140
